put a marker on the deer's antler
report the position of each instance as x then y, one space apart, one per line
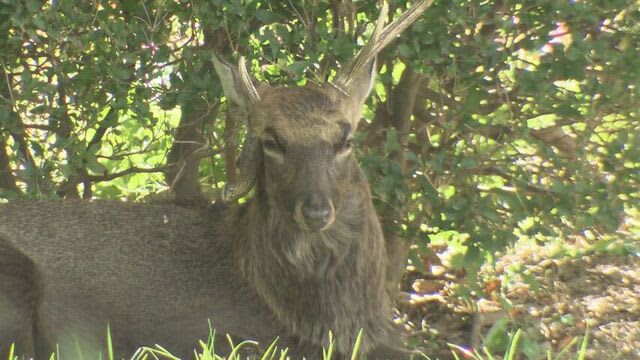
382 36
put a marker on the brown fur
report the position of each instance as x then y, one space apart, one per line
335 279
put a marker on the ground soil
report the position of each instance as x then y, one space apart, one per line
554 297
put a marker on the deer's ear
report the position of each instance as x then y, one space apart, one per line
241 89
363 83
238 86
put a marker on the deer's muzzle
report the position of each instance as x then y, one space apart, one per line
314 213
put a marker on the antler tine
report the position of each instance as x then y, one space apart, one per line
246 80
381 37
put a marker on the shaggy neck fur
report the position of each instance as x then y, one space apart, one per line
317 282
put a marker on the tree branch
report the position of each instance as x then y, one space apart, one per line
18 137
492 170
104 125
197 155
7 180
129 171
556 137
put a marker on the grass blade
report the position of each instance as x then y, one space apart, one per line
356 347
513 346
109 344
583 347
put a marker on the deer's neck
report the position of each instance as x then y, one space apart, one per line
310 256
319 282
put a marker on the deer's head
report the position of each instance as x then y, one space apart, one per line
299 138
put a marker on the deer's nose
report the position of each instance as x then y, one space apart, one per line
317 212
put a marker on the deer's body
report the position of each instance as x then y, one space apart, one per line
153 280
158 279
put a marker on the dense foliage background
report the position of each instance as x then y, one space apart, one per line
491 120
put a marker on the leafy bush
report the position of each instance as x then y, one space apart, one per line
491 120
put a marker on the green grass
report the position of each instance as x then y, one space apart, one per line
512 350
207 351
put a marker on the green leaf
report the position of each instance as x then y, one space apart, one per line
497 338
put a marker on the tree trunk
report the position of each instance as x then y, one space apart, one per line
402 103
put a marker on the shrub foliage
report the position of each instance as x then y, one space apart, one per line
491 120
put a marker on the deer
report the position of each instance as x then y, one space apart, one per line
303 258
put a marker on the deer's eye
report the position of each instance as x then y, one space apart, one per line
272 145
345 146
346 143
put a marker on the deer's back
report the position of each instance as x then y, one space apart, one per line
93 241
